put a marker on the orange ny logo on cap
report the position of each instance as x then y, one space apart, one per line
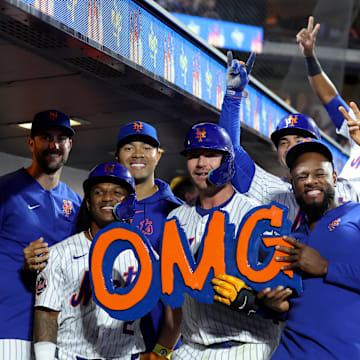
200 134
291 120
109 169
53 115
138 126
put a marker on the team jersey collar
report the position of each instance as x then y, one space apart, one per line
204 212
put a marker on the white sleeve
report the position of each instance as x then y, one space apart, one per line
50 282
266 186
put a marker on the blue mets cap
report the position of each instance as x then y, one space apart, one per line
305 146
140 131
50 118
110 172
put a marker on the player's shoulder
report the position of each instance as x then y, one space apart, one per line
182 210
65 191
69 243
242 199
15 177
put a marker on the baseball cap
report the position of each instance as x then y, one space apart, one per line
110 172
305 146
140 131
50 118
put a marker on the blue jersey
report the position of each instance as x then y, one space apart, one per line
27 212
150 214
324 321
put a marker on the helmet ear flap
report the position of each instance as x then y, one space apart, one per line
224 173
125 211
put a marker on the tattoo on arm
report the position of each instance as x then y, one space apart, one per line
45 325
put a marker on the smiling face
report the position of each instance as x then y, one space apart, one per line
285 143
51 148
101 202
199 164
141 159
314 182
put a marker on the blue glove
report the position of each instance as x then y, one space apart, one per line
237 74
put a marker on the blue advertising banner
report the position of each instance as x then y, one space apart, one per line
130 30
225 34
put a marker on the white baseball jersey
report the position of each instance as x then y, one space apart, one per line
11 349
266 187
207 325
84 329
351 169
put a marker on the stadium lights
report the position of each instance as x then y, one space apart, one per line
73 122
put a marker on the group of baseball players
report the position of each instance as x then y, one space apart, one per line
47 309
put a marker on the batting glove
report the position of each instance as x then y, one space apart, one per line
234 293
237 74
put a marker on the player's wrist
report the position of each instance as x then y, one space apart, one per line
44 350
236 94
313 66
162 351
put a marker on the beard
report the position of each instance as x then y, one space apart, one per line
51 167
315 210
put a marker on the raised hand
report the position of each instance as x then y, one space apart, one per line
306 37
237 75
353 123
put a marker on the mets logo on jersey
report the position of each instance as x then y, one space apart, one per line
109 169
200 134
291 120
334 224
67 207
138 126
41 283
146 226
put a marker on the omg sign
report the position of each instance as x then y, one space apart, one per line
249 254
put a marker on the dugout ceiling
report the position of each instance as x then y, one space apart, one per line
42 67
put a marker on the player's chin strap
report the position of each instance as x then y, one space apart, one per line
125 211
224 173
245 302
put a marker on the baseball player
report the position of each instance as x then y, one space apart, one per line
138 149
34 204
68 324
328 95
326 251
213 331
249 178
324 322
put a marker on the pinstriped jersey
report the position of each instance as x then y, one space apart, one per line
84 328
215 323
266 187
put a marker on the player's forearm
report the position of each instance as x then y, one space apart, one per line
323 87
170 331
343 274
230 118
45 325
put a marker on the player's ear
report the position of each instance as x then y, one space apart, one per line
31 142
87 204
335 177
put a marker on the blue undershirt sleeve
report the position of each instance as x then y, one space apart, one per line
344 275
332 110
244 165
